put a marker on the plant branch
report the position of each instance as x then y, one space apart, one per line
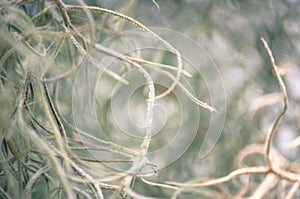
230 176
285 104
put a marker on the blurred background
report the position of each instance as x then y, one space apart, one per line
229 35
230 31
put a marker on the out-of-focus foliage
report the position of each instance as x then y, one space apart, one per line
44 55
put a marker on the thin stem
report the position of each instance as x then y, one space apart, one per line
63 12
230 176
111 52
285 104
166 186
138 24
41 143
291 194
54 112
149 117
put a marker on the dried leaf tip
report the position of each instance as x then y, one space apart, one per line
186 73
268 50
212 109
204 105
